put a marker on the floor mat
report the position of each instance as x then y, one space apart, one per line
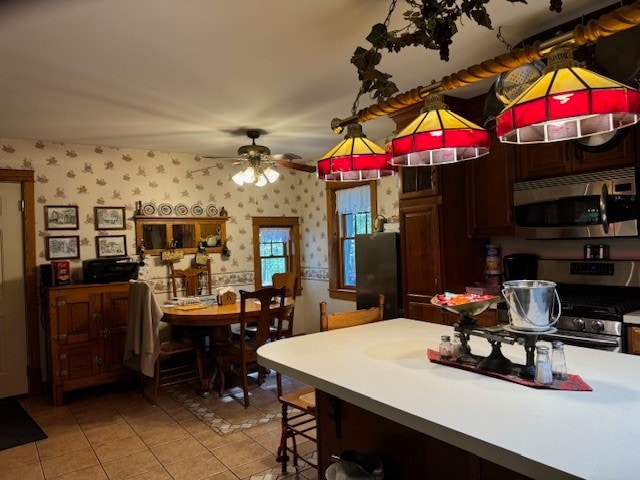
17 427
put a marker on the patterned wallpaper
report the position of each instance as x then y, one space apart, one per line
90 176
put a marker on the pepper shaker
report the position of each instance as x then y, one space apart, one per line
558 363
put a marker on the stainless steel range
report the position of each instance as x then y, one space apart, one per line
594 296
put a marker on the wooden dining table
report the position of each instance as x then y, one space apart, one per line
212 321
211 315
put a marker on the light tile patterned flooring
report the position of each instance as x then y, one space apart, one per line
114 433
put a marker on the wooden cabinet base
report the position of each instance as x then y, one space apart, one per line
405 453
86 327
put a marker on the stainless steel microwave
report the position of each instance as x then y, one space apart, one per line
590 205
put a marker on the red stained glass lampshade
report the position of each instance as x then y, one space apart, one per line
567 102
355 158
438 136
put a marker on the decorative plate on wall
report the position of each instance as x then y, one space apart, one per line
182 210
165 209
148 209
212 210
197 210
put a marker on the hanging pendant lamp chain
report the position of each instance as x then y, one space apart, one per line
361 90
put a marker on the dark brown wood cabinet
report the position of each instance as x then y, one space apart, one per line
437 255
633 340
544 160
405 453
490 191
86 328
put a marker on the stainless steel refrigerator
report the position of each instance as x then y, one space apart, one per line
378 271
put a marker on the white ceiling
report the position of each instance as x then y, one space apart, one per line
178 75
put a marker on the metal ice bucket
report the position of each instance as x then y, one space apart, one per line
531 304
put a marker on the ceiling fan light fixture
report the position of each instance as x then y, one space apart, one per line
261 181
438 136
568 102
355 158
237 178
249 175
271 174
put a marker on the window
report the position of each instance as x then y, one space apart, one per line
350 208
276 247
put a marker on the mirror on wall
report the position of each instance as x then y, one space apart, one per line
185 233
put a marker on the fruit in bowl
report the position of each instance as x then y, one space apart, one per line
451 299
472 303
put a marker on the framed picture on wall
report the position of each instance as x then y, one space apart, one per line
111 246
61 217
63 247
109 218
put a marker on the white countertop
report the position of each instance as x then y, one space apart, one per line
632 317
546 434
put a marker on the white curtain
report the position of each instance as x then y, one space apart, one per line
353 200
274 234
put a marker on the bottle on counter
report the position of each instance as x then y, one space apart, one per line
446 348
544 375
558 363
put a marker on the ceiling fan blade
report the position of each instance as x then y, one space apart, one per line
296 166
221 157
285 156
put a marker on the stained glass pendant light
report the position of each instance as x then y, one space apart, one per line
355 158
438 136
567 102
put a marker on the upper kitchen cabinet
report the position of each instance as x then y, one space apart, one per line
490 192
418 182
489 182
545 160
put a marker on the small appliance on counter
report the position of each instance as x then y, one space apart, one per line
106 270
56 273
520 266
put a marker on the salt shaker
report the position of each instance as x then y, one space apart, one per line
543 366
558 364
446 348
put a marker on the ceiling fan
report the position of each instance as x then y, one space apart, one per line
259 160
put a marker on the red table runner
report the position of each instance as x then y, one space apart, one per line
573 382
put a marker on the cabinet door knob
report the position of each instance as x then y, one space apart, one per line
105 333
96 317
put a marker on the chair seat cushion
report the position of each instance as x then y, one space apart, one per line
303 399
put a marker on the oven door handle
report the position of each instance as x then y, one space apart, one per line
586 341
603 208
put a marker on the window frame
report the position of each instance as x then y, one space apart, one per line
336 289
293 257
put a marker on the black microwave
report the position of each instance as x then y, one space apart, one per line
590 205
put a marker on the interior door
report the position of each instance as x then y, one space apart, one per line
13 325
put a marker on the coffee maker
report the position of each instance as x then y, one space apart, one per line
520 266
517 266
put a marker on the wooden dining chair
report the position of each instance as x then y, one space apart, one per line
194 279
281 327
150 347
240 357
288 280
301 421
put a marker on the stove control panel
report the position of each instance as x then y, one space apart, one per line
592 268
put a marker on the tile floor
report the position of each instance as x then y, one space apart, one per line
114 433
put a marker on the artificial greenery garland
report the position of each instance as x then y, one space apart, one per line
431 24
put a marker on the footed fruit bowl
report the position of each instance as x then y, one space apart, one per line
464 302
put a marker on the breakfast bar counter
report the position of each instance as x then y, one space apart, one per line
382 369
